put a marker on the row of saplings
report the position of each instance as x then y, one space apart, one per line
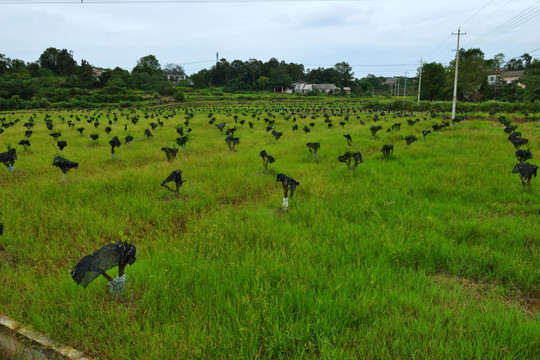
525 170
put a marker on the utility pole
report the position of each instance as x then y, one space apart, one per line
405 86
397 89
456 74
419 81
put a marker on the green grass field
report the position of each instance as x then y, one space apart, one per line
429 254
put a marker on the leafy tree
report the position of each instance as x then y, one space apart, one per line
521 63
60 62
495 64
279 77
66 64
148 64
472 74
201 79
531 80
49 59
263 82
254 68
343 74
5 64
433 81
85 75
33 69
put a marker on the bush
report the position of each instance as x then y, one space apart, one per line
179 96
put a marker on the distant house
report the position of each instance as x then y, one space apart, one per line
302 87
325 88
97 72
506 76
283 90
390 81
174 75
347 90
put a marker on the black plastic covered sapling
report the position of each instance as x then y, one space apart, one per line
313 147
8 158
524 155
231 142
25 143
182 141
351 159
114 144
64 165
170 153
518 142
306 129
348 137
61 144
410 139
94 138
267 159
277 134
221 126
176 178
110 256
387 149
374 130
148 133
128 139
526 171
80 130
510 129
55 135
289 185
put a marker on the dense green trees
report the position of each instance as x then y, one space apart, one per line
56 77
433 81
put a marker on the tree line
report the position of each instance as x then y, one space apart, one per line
57 77
474 68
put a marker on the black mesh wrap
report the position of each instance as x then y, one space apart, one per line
106 258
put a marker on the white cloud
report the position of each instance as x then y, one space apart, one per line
314 33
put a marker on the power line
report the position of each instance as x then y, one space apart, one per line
489 16
466 21
477 12
510 24
359 65
93 2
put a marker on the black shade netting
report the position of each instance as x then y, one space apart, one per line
64 164
9 157
106 258
176 177
526 171
288 183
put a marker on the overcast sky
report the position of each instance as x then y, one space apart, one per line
381 37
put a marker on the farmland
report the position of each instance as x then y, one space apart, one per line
429 253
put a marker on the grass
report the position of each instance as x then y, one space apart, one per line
431 253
